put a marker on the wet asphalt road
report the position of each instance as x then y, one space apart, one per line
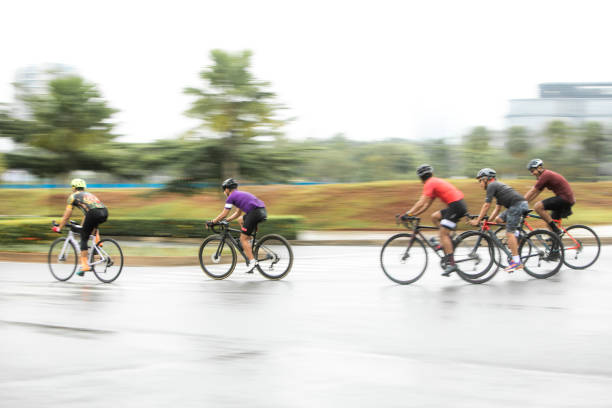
336 332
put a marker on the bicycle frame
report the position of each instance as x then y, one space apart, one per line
415 227
227 236
577 244
70 238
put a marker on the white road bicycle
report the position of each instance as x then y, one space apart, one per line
105 258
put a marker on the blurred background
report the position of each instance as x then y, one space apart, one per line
273 95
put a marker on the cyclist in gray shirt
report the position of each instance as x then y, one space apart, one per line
507 197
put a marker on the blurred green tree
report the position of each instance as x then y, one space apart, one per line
235 107
62 124
517 142
476 152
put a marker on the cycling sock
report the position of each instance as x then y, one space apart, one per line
450 258
516 258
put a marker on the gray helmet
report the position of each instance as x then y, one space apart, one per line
486 172
534 164
229 183
423 170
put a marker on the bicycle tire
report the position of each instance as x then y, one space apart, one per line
541 246
109 270
274 256
396 249
470 249
62 269
210 263
580 241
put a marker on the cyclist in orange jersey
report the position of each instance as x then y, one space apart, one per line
447 218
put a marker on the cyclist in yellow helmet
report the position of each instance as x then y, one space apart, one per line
95 214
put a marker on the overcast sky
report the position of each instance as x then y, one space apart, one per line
368 69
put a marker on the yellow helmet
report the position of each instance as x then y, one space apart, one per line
78 183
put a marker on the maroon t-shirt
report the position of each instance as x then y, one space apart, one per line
557 183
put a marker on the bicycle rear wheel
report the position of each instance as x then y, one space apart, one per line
475 256
274 256
403 259
581 246
108 264
63 259
217 257
541 253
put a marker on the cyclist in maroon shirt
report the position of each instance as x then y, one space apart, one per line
561 204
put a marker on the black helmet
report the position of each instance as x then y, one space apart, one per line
229 183
534 164
423 170
486 172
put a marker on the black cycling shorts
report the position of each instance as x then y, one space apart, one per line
453 213
560 208
93 218
252 218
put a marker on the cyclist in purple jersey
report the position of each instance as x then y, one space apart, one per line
254 210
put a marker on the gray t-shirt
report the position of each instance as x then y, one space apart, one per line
503 193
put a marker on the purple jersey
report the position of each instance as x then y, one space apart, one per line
243 200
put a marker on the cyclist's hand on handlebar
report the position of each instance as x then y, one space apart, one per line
209 224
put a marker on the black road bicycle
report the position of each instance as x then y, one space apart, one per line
218 256
404 258
540 250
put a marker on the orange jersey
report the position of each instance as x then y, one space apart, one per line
445 191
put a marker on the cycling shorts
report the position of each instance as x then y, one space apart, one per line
560 208
252 218
93 218
513 215
453 213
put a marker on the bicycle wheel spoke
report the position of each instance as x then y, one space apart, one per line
541 253
108 262
403 260
581 246
474 255
62 259
274 256
217 258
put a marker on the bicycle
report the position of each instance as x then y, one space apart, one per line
404 247
105 257
540 251
218 256
581 245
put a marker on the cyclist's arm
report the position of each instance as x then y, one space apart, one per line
221 215
531 194
495 212
235 215
66 216
420 206
483 212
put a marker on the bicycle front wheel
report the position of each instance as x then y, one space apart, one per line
475 256
403 259
581 246
63 259
107 264
217 257
274 256
541 253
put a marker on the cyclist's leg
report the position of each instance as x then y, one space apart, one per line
557 205
513 218
249 225
101 219
448 223
89 225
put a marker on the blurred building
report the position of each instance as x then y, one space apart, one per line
33 80
571 102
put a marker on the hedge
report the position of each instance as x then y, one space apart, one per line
39 229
